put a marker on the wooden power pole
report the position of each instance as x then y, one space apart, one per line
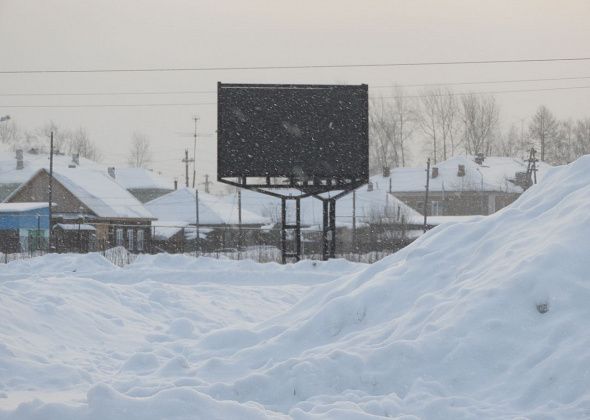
207 183
50 192
186 161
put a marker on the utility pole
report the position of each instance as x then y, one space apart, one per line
50 191
426 196
198 239
186 161
195 152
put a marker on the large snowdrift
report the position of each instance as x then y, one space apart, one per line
485 319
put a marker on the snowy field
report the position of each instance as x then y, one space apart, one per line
480 320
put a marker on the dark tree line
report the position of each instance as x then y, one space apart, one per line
447 124
70 141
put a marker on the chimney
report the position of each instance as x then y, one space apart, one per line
370 186
20 164
434 172
76 159
386 172
111 170
175 184
461 170
479 158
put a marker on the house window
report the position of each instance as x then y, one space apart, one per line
130 239
436 208
140 234
119 237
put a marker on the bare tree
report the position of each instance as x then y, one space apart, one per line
9 133
439 118
404 111
382 135
480 116
140 154
581 144
543 130
79 143
448 116
509 143
428 121
60 137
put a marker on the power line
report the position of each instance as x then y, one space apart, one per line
199 92
214 103
108 105
296 67
489 82
171 92
492 92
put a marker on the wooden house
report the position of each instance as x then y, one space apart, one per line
89 197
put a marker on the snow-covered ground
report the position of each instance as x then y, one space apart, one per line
482 319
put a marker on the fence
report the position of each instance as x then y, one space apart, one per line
120 243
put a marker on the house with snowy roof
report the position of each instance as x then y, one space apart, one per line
92 201
176 214
460 186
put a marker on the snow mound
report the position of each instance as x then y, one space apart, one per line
483 319
53 264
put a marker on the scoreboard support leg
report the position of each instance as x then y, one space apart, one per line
296 228
329 229
283 230
332 228
291 246
325 230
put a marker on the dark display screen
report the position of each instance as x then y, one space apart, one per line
301 131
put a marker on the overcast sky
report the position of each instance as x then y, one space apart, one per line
76 34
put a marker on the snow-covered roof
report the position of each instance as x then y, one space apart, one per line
164 230
494 174
99 192
141 178
179 205
369 204
32 162
439 220
20 207
74 226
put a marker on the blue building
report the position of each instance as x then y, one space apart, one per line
24 227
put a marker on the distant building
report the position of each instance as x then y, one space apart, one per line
380 220
86 199
24 227
19 166
144 184
218 220
460 186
